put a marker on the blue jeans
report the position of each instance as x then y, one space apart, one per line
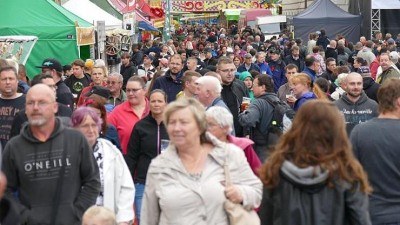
139 190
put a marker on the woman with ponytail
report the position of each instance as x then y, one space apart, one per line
304 89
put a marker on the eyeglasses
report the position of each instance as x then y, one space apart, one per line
113 82
133 90
228 70
40 104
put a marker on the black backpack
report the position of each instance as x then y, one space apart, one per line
282 117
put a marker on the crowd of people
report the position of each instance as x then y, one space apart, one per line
148 144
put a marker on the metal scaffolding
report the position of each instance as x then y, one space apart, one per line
375 21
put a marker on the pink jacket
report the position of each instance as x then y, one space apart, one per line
246 145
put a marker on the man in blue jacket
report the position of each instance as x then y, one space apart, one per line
171 82
312 67
277 67
260 61
248 65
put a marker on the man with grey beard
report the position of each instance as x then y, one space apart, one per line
51 167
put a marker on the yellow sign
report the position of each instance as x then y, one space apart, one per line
85 36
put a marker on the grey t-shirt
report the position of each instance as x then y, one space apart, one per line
376 144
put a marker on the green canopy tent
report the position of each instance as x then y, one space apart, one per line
54 26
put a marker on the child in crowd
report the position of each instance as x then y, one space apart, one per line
248 81
97 215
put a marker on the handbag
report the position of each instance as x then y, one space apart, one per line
237 214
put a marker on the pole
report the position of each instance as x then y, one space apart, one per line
167 23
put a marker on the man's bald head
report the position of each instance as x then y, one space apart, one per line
41 106
42 88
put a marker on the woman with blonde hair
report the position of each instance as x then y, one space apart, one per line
186 183
98 74
303 90
312 177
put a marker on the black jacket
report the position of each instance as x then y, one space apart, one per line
137 58
233 96
127 72
323 41
299 62
64 95
331 53
303 197
330 77
210 62
144 145
371 88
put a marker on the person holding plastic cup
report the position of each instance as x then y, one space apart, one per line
146 142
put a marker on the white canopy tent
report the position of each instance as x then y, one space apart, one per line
387 4
92 13
270 19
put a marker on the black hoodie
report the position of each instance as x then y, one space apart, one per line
303 197
371 88
32 168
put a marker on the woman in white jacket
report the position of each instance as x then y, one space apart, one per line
117 189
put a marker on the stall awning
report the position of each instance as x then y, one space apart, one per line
146 27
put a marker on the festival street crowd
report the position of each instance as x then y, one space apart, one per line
289 131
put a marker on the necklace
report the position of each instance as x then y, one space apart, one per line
195 169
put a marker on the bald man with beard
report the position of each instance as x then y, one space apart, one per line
51 167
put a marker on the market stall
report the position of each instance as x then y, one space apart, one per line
59 35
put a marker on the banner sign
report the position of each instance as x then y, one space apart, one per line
85 36
17 47
387 4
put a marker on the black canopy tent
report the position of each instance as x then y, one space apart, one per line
325 14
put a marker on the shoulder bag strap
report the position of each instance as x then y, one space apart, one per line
270 102
228 181
60 181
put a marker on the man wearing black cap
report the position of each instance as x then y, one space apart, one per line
277 66
63 93
148 66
